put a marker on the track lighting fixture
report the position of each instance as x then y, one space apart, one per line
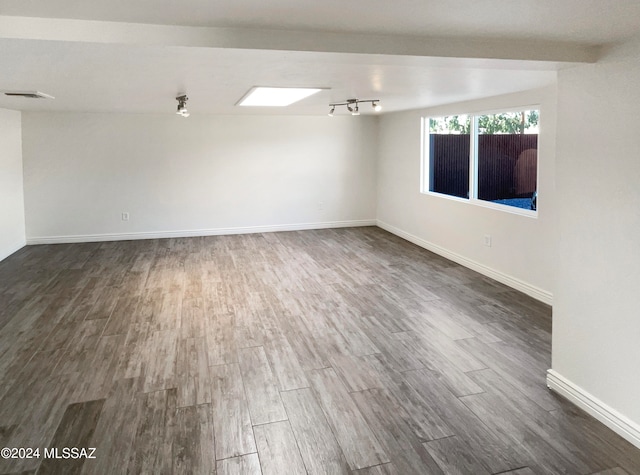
182 105
352 105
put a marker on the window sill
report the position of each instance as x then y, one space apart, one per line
486 204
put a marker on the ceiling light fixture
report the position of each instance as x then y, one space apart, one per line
276 96
182 105
352 105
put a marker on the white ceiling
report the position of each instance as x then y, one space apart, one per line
437 55
122 78
590 21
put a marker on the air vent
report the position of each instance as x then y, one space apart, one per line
29 94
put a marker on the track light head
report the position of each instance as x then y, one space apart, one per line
355 110
376 106
332 110
182 105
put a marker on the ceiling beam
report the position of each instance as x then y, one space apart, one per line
55 29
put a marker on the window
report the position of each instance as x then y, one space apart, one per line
449 147
491 158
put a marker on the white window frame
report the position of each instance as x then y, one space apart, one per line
425 170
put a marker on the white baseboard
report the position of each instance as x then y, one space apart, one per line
196 232
618 423
531 290
11 249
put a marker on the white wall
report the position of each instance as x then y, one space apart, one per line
12 235
596 325
521 254
193 176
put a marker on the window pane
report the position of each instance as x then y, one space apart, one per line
448 150
508 158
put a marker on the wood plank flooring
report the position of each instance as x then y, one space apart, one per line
340 351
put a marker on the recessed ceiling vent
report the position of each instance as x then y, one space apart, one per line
29 94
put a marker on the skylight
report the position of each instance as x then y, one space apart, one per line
276 96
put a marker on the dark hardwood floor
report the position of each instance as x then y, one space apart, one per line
319 352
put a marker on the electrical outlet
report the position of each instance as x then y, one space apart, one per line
320 205
125 216
487 240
